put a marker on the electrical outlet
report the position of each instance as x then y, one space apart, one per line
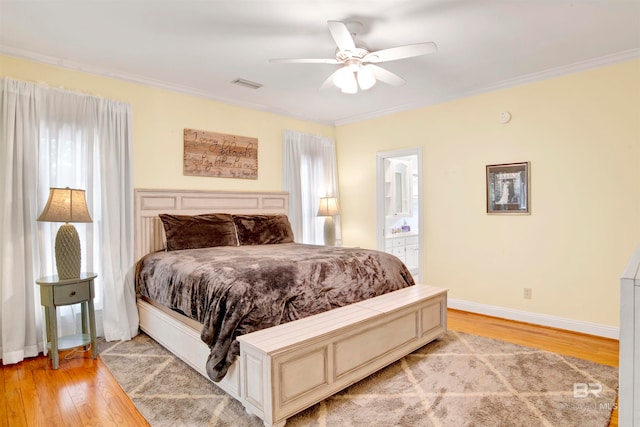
528 293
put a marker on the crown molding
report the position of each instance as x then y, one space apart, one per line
623 56
627 55
133 78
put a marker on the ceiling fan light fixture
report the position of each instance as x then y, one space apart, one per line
366 79
350 84
345 79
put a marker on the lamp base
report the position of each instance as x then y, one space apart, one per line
329 231
68 252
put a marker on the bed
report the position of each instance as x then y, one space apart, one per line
251 346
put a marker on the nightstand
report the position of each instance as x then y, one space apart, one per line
55 293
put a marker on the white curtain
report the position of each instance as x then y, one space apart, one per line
116 229
20 317
81 142
310 172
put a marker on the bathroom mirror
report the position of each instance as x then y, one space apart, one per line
399 186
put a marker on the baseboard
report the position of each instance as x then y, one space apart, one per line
536 318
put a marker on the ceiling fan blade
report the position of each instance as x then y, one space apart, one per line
341 35
304 61
400 52
386 76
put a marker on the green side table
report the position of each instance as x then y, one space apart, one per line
55 293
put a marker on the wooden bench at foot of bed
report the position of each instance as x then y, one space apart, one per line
288 368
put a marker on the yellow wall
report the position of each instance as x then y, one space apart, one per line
159 117
581 134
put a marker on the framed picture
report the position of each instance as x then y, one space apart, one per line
508 188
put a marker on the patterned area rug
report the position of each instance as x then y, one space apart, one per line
460 380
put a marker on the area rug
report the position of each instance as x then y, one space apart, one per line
459 380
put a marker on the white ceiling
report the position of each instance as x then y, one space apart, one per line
200 47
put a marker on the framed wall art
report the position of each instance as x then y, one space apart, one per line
220 155
508 188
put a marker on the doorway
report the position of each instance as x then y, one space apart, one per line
399 203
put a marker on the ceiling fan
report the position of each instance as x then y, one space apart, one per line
358 64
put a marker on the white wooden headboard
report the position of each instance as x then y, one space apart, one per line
148 229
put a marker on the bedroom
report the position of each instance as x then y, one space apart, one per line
580 132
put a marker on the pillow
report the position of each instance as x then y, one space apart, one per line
199 231
263 229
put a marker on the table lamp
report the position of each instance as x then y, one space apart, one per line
66 205
329 208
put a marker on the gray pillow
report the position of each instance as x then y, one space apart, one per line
263 229
199 231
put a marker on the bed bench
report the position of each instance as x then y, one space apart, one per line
290 367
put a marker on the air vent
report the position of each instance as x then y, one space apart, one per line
247 83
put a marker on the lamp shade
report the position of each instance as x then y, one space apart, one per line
328 206
65 205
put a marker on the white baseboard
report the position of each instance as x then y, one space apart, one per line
536 318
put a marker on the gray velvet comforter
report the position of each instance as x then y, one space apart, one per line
234 290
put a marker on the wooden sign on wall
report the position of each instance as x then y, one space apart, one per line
220 155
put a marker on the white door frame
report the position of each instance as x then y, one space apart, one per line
380 217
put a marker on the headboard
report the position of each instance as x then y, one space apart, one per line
148 229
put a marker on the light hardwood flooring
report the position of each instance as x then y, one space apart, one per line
83 392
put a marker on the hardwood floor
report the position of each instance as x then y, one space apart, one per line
83 392
588 347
